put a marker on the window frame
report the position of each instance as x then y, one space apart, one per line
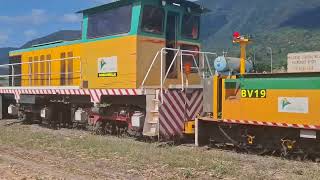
164 18
112 34
183 36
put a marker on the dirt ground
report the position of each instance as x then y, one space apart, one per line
34 152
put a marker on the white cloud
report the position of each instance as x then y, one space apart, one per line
39 16
71 18
103 1
35 17
4 37
31 33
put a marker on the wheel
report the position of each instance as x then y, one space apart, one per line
52 116
109 128
98 128
26 118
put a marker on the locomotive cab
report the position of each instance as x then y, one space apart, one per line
172 25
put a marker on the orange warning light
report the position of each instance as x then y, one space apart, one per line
187 68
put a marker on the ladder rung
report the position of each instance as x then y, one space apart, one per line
150 134
153 122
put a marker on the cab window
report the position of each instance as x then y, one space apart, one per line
112 22
152 19
190 27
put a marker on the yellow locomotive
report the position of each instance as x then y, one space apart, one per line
132 55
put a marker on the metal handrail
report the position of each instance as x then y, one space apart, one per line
39 61
182 53
13 75
171 64
208 63
18 75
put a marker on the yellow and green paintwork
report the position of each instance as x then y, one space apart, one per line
134 54
266 108
134 51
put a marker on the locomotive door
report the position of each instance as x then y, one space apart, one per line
171 42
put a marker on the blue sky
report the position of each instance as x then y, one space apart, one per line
24 20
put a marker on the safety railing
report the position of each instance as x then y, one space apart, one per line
48 70
201 67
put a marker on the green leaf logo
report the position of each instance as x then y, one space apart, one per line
285 102
102 64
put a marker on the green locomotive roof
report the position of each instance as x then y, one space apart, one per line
184 3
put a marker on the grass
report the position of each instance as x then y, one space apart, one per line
150 160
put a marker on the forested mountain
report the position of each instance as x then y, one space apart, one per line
285 26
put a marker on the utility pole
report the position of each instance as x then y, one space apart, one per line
269 48
254 56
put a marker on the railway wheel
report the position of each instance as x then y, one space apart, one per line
98 128
52 116
26 118
109 128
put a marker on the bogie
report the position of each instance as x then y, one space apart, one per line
115 119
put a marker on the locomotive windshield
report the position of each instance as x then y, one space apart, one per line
190 26
152 19
112 22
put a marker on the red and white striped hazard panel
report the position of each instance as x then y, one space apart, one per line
177 108
95 94
260 123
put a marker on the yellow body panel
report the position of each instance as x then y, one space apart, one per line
266 109
147 49
189 127
124 48
215 97
38 74
134 56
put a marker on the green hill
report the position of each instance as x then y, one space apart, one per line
285 26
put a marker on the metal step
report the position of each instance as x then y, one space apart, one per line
154 120
152 114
